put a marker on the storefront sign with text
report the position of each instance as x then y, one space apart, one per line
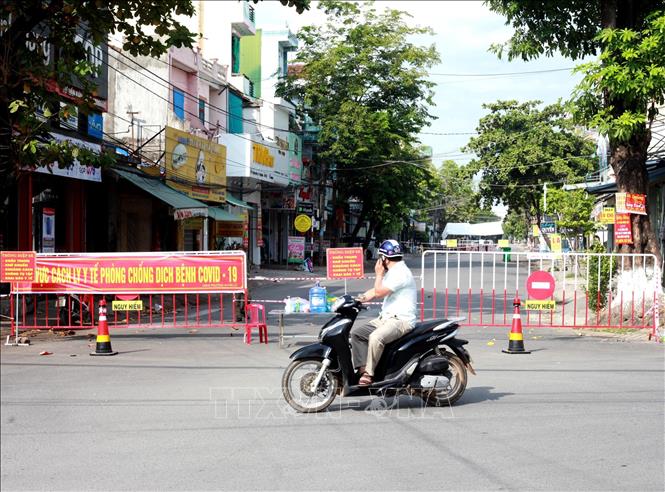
631 203
623 233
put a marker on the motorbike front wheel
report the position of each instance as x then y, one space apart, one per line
453 391
296 386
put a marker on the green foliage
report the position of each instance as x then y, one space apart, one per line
364 84
30 85
515 225
599 276
521 147
621 90
567 26
454 198
573 210
300 5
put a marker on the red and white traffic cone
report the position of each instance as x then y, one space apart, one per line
515 337
103 338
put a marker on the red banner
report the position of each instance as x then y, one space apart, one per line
623 233
126 273
344 262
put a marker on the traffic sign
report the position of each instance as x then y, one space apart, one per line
540 285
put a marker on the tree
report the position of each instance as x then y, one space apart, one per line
572 210
520 148
363 83
516 224
455 199
620 91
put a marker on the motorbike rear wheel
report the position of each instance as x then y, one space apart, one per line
453 391
296 382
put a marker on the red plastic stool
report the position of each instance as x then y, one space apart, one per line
256 318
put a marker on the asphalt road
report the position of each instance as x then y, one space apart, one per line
203 411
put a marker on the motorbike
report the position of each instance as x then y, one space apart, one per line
73 310
429 362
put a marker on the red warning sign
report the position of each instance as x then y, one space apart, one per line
540 285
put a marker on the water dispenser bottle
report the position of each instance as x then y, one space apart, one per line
317 299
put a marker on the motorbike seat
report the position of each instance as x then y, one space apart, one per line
429 325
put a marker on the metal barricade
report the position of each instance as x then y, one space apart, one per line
593 290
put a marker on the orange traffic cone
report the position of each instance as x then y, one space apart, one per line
515 337
103 339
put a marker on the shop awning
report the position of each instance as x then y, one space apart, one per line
219 214
183 205
238 203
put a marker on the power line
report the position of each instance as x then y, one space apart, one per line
168 85
195 115
502 74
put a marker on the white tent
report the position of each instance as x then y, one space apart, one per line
472 230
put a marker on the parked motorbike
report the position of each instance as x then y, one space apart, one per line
71 308
428 362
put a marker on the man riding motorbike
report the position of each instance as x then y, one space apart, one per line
394 282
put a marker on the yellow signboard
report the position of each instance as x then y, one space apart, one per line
303 223
196 166
607 215
536 230
532 305
451 243
127 305
503 243
555 243
262 155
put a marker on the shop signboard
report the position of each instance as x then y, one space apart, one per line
296 247
547 228
631 203
77 170
623 233
199 162
606 215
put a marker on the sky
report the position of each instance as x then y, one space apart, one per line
463 33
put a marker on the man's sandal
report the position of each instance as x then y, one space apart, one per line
365 380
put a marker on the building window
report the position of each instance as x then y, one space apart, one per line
235 54
179 103
202 110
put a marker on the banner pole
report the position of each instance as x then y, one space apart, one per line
344 286
16 319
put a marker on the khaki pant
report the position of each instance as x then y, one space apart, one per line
368 341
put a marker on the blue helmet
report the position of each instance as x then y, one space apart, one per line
391 249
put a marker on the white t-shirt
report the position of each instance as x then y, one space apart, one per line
402 301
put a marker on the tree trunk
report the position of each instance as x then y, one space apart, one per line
370 233
628 161
359 224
